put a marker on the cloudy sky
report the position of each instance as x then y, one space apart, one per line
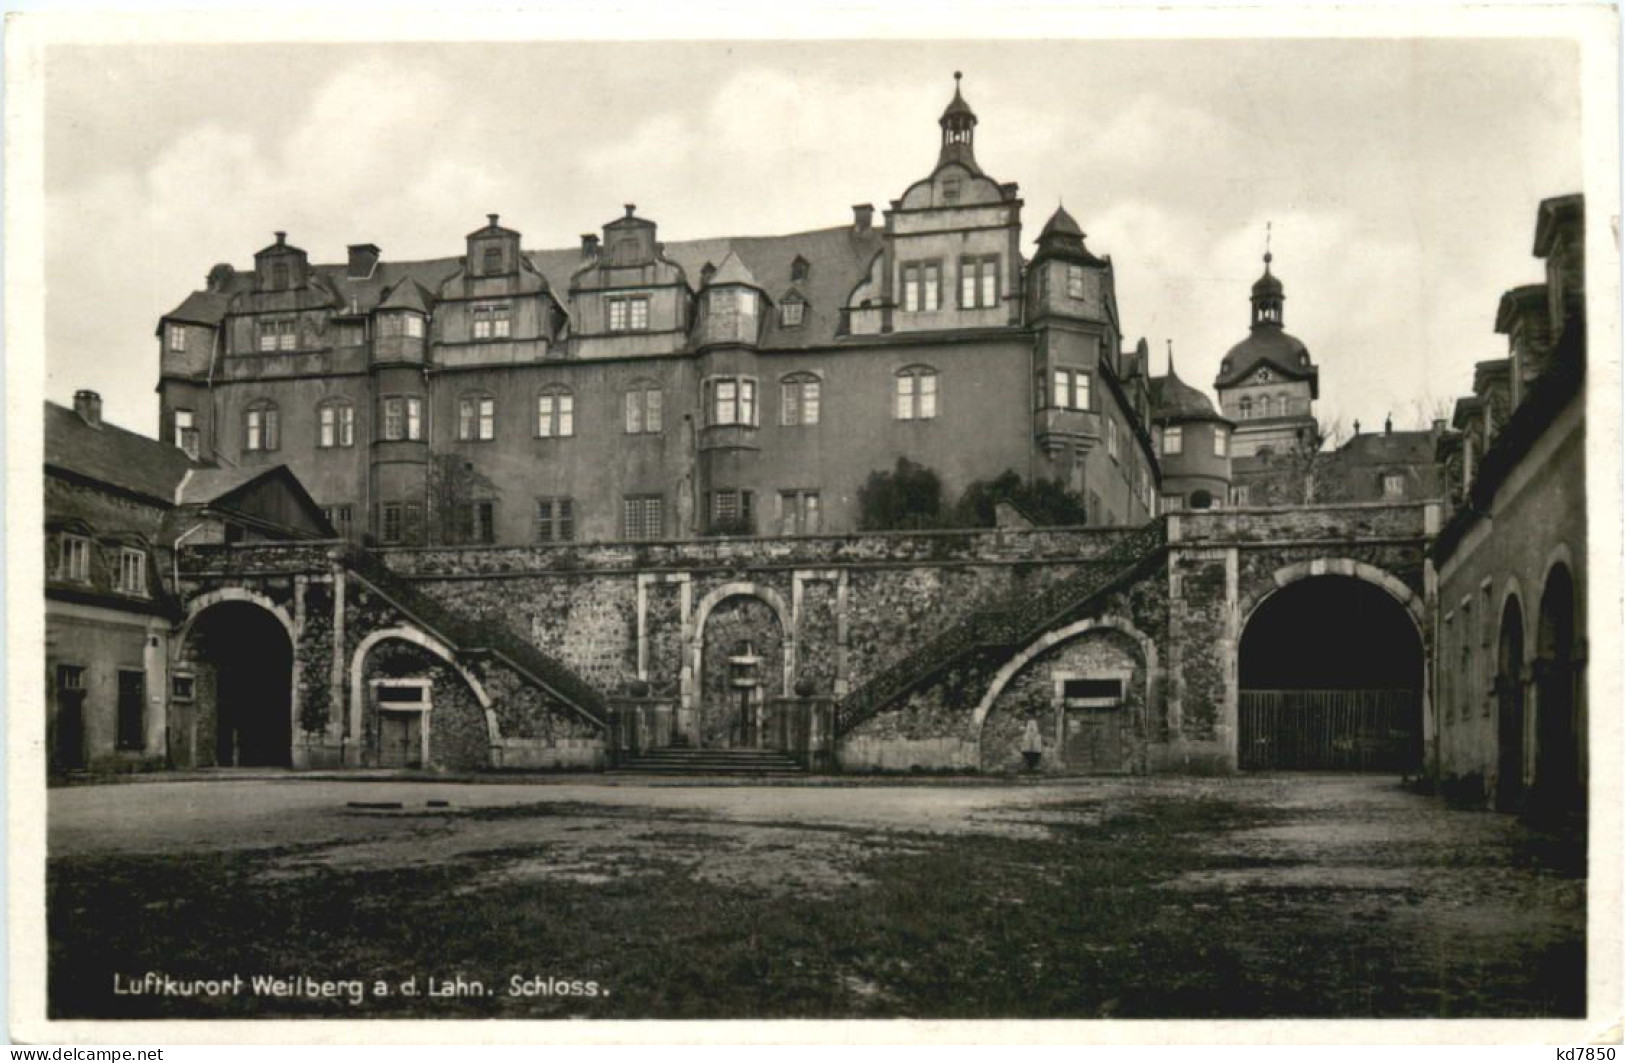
1401 177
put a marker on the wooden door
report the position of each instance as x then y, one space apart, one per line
1096 740
400 740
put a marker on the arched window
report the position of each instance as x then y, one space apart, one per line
261 426
335 424
555 413
800 399
643 402
916 393
1201 500
476 418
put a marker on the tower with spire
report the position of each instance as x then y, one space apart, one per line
1267 383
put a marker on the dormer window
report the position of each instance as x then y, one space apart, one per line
491 322
277 333
792 312
493 259
279 275
74 560
799 269
1074 281
922 286
132 572
628 313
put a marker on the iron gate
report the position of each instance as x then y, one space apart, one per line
1340 730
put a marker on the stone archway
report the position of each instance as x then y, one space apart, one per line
363 741
1559 779
239 650
1509 708
743 651
1331 672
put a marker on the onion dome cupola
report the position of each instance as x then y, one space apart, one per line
1269 353
1268 383
958 124
731 305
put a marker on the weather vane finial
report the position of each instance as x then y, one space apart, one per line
957 76
1170 343
1268 258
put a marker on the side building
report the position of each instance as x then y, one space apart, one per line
116 505
633 389
1511 559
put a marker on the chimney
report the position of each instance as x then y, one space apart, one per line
492 219
631 208
363 259
1439 426
863 216
88 405
1388 425
707 271
589 245
281 239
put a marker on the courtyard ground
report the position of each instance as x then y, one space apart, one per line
1312 896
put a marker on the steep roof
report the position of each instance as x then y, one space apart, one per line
1272 346
733 271
112 455
407 295
836 259
200 308
1174 400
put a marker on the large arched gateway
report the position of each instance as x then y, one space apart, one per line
239 659
1330 673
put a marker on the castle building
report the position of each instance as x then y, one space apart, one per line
631 389
1267 383
1194 442
1511 685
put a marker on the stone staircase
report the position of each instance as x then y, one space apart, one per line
997 632
688 760
479 637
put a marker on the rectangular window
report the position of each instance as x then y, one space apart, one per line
931 290
555 415
1241 496
732 513
286 335
643 411
476 522
491 322
629 313
261 429
799 513
392 530
555 520
177 337
1074 281
493 260
642 517
403 418
1393 485
1071 387
799 402
182 686
733 400
132 572
476 418
74 560
791 313
414 326
412 523
1173 440
911 288
336 425
1221 442
978 281
340 517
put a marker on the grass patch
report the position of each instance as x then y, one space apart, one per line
1075 924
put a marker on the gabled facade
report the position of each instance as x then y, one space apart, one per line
116 506
636 389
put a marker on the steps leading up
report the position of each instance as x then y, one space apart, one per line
679 760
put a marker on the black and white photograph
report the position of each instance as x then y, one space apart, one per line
1095 521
